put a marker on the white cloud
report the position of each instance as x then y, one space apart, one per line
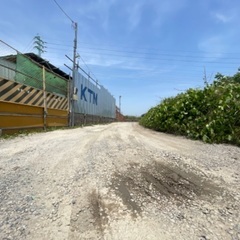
166 8
135 13
101 61
222 18
214 47
97 10
158 11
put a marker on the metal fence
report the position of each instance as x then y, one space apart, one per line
93 99
7 69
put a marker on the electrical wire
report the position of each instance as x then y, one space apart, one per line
148 55
88 68
156 54
162 59
115 48
63 11
29 46
67 45
163 50
165 57
187 59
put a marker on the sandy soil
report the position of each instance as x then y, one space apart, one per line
117 181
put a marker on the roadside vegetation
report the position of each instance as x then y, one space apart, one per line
128 118
211 114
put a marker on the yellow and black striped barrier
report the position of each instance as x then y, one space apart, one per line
22 107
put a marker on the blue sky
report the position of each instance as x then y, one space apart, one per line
143 50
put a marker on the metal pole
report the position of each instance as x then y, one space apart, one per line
120 104
74 75
69 101
44 100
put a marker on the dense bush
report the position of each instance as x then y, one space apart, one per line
211 114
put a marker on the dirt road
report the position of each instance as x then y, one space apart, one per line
117 181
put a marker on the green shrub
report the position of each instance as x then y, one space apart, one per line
211 114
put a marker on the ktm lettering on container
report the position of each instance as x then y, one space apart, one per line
89 95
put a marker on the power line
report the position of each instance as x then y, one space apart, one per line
175 58
148 53
75 43
59 44
88 68
63 11
162 59
163 50
157 54
185 67
29 46
104 50
74 69
196 63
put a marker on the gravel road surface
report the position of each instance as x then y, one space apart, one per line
117 181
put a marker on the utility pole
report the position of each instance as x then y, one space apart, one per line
39 45
74 68
120 104
74 73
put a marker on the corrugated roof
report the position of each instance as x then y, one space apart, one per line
47 64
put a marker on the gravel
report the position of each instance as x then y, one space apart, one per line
118 181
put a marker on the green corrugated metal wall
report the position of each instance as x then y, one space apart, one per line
54 84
